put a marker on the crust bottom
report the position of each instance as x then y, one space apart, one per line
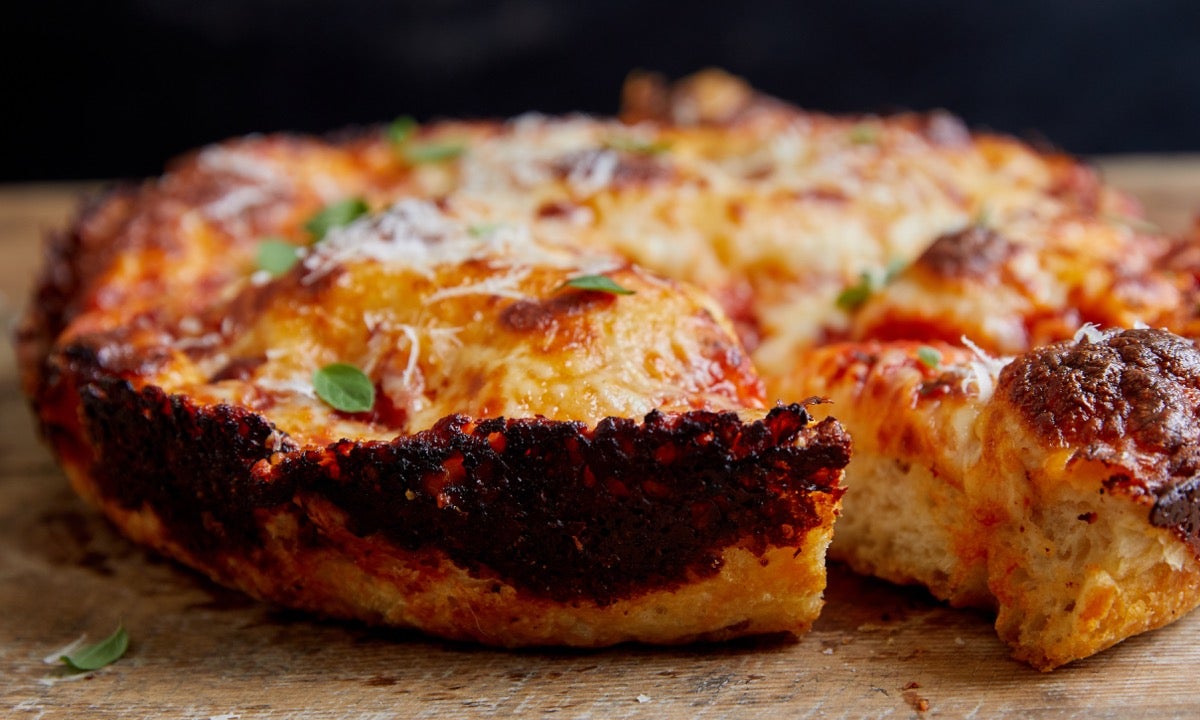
283 529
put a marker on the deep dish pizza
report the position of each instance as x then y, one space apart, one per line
558 380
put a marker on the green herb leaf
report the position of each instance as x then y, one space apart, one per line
334 215
276 256
869 282
94 657
863 134
432 152
597 283
642 147
401 129
481 229
344 387
929 357
983 218
854 296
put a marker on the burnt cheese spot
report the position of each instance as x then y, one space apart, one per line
1130 394
563 210
1140 386
973 253
832 195
540 316
1179 507
614 169
73 261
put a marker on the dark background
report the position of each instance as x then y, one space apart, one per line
114 88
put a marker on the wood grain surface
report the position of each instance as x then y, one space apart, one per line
200 651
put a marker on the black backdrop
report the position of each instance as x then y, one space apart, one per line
102 88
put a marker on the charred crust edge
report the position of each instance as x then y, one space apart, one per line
554 508
67 265
1178 508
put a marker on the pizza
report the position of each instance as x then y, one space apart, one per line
606 373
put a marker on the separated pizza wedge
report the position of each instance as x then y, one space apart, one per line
544 445
1058 487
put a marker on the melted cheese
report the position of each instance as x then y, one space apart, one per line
774 216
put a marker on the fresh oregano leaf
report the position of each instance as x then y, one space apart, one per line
105 652
894 268
929 357
641 147
432 152
854 296
483 229
276 256
864 134
597 283
334 215
344 387
401 129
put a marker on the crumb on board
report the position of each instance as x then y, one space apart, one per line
914 700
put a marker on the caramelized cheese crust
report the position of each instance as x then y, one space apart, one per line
1131 399
1134 392
976 254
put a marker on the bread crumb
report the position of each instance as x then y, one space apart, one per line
917 702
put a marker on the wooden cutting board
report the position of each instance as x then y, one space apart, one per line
200 651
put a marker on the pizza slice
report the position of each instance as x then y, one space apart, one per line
1057 487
